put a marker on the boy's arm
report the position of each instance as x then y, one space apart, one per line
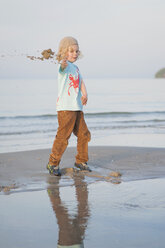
84 97
64 64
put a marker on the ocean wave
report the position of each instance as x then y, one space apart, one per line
92 114
120 114
27 132
92 126
28 116
47 123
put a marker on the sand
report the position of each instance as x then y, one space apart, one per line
28 168
46 54
40 210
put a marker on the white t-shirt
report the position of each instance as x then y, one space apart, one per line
69 88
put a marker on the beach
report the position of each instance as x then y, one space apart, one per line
120 203
134 163
69 210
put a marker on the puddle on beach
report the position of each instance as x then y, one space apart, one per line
86 214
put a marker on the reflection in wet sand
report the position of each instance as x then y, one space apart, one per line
130 214
71 228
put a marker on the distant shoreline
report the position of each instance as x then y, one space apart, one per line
160 73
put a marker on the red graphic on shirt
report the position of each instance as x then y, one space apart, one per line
57 101
74 82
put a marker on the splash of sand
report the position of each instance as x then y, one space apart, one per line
46 54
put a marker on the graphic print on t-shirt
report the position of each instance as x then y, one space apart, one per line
74 82
69 89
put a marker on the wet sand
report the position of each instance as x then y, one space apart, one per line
28 168
94 209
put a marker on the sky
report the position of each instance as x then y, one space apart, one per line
118 38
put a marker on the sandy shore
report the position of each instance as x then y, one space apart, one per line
40 210
134 163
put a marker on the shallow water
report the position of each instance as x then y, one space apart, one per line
100 214
117 110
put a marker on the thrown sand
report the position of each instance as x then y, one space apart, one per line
46 54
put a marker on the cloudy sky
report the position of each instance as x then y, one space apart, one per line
118 38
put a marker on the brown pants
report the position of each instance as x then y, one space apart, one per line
70 121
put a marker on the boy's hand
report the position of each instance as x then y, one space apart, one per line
64 63
84 100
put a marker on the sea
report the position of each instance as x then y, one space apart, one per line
120 112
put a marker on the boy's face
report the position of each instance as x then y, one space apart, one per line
73 53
